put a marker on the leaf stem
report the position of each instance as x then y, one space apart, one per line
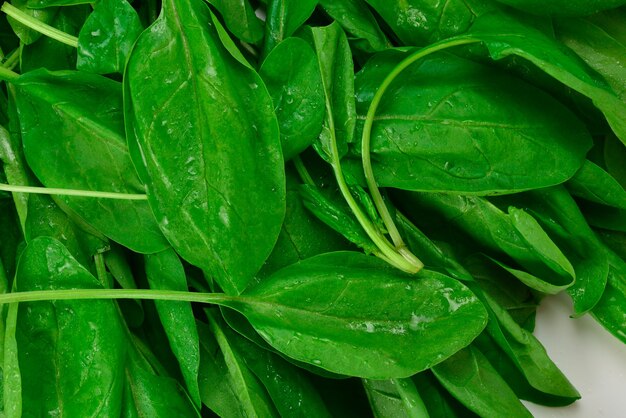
367 133
84 294
71 192
302 171
39 26
6 74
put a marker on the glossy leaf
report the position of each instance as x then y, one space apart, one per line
358 22
83 118
564 7
394 398
68 350
240 19
448 124
342 329
212 157
290 390
592 183
284 17
505 36
106 38
165 271
249 391
610 311
336 67
524 241
470 378
298 95
418 22
26 34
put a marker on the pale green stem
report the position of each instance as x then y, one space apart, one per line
71 192
12 59
101 269
367 132
6 74
390 254
146 294
302 171
39 26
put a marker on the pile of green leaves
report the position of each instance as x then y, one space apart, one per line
300 208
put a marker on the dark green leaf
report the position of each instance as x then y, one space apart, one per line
297 94
73 136
596 185
506 36
284 17
564 7
208 143
470 378
165 271
320 311
359 23
240 19
448 124
107 37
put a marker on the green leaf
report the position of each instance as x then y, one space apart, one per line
297 94
335 62
73 138
289 388
68 350
284 17
359 23
215 176
240 19
564 7
26 34
106 38
448 124
596 185
506 36
527 354
514 234
165 271
418 22
336 311
471 379
395 398
610 311
249 391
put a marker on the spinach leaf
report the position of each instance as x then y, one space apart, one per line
507 36
609 311
592 183
284 17
240 19
106 38
165 271
249 391
58 337
358 22
298 96
23 32
68 350
216 179
514 233
471 379
394 398
418 22
83 117
449 124
318 311
564 7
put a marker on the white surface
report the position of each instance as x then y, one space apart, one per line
591 358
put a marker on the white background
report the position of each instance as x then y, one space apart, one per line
591 358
